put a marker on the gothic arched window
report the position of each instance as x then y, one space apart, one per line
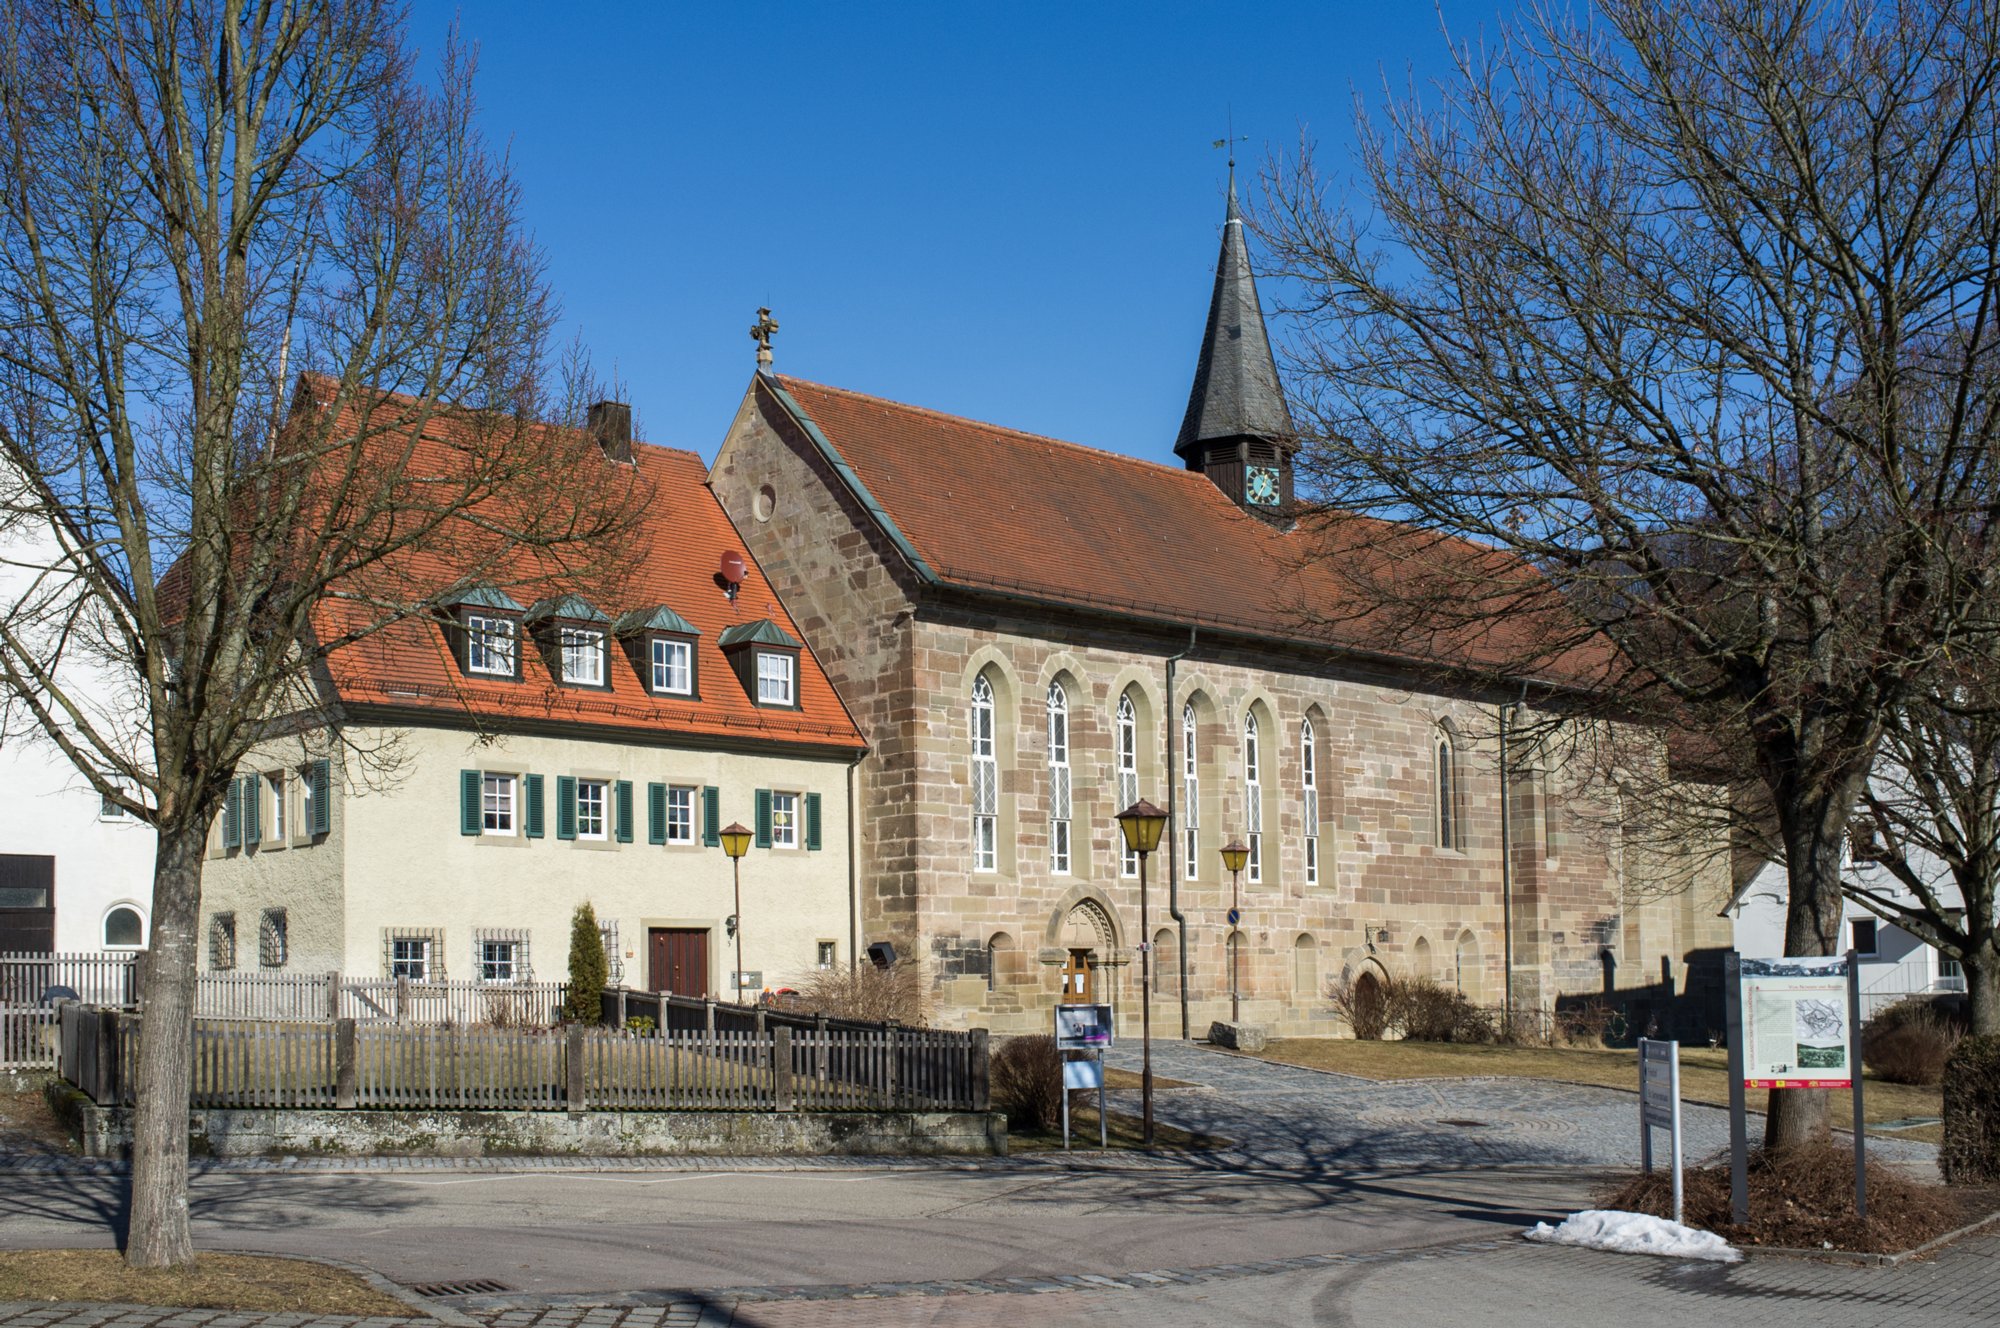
1449 833
1059 784
1253 797
985 780
1309 796
1128 775
1190 795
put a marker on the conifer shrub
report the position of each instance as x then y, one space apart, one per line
1970 1154
588 969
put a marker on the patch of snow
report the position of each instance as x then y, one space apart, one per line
1635 1233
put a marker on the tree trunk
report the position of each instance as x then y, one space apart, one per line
160 1236
1813 909
1982 990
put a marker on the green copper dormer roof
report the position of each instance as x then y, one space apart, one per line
575 608
659 618
485 597
763 632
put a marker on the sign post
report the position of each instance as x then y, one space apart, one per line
1086 1029
1660 1105
1798 1022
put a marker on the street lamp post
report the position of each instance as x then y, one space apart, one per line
736 842
1141 824
1234 855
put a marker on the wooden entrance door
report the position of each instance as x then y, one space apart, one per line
1078 987
677 960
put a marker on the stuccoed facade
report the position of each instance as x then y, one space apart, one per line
394 862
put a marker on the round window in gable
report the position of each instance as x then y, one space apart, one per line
765 502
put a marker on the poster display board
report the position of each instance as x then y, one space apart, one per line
1082 1034
1660 1106
1796 1032
1083 1027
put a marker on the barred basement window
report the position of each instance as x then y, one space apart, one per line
222 942
985 780
500 955
410 958
1059 783
614 954
273 946
1128 775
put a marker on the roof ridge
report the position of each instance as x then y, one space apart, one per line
1124 457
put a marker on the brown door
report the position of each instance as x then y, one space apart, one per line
677 960
27 904
1077 986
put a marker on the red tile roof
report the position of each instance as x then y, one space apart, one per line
677 547
997 510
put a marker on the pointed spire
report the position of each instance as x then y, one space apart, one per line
1236 392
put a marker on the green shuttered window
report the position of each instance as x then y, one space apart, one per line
468 802
763 818
531 813
711 816
621 793
232 815
656 813
253 805
565 806
319 782
812 822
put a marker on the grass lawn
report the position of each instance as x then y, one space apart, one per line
1704 1072
216 1282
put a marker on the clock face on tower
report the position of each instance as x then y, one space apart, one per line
1260 486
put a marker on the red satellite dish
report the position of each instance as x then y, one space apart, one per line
734 569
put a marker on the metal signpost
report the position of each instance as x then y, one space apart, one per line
1084 1028
1660 1105
1793 1023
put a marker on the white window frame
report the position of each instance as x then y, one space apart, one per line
985 780
680 799
1253 798
1854 940
104 927
582 651
1190 795
1309 796
491 645
277 825
784 819
777 678
410 957
826 956
1128 777
499 803
1059 781
587 814
672 659
499 961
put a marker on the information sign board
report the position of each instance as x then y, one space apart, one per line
1796 1030
1083 1026
1660 1105
1083 1074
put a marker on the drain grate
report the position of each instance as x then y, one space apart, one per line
474 1286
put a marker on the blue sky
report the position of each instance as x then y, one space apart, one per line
1003 211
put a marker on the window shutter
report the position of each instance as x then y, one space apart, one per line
320 777
812 821
656 813
565 806
622 791
763 818
711 816
468 802
253 806
531 813
232 834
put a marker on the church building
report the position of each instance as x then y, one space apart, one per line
1032 634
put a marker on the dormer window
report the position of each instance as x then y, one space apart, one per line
488 633
582 656
660 644
777 678
766 659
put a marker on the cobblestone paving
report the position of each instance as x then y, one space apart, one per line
1281 1114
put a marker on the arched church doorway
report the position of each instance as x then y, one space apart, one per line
1087 945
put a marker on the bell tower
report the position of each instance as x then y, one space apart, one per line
1238 430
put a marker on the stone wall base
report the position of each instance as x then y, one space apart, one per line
107 1132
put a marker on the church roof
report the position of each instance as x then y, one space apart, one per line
1236 392
994 510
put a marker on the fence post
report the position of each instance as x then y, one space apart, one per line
105 1090
708 1011
893 1035
819 1047
982 1092
618 1008
402 999
142 964
573 1058
333 995
757 1021
346 1072
781 1068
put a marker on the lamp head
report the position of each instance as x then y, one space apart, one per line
1142 823
1234 854
735 840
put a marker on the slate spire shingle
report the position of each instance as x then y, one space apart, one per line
1236 393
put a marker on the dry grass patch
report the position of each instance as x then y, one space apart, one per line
1117 1079
1704 1071
216 1282
27 1124
1123 1132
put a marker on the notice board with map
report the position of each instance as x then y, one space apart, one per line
1796 1031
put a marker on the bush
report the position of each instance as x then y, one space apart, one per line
1971 1151
1026 1079
1419 1009
878 995
1592 1024
588 968
1362 1003
1909 1042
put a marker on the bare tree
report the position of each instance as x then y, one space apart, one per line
272 345
1689 306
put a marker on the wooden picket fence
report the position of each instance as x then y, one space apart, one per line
345 1064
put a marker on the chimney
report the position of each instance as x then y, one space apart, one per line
611 425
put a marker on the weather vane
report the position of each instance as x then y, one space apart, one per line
761 332
1231 141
